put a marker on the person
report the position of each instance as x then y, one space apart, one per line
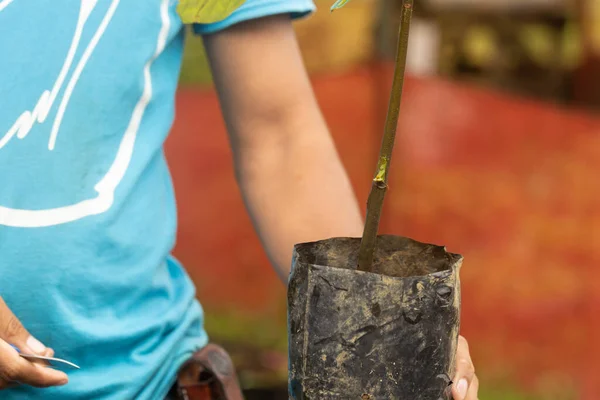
87 211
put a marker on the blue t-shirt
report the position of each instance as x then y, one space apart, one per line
87 212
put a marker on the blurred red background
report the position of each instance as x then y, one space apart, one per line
508 183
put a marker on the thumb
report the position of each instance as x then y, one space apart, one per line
13 332
465 371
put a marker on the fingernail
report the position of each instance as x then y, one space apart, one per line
35 345
461 388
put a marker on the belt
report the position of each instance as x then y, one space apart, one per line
208 375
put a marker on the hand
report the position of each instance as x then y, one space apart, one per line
15 369
466 384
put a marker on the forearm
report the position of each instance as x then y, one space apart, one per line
292 181
297 190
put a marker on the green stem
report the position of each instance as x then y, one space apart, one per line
379 187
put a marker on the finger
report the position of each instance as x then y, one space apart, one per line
473 389
13 332
465 370
14 368
49 352
34 374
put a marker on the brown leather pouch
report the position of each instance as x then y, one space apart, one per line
208 375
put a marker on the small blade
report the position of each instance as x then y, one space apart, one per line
49 359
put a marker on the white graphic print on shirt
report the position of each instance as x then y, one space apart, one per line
67 81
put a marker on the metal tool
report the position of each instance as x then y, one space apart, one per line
48 359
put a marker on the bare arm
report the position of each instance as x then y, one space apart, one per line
286 164
291 178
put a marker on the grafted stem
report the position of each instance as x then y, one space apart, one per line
379 186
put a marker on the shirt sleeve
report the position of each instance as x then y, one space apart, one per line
253 9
